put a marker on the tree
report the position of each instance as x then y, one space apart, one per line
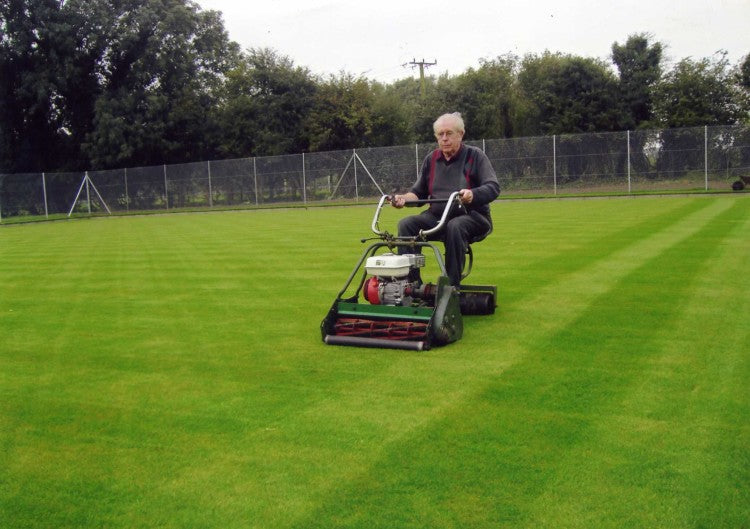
415 111
639 65
744 73
265 105
743 80
697 93
392 117
485 98
97 83
160 70
568 94
31 117
343 114
422 110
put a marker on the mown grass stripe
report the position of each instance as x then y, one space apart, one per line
206 398
467 463
591 236
175 360
628 443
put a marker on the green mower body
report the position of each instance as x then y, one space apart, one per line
380 306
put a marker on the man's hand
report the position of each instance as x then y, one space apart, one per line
465 196
399 201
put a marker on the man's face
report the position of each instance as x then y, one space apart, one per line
448 138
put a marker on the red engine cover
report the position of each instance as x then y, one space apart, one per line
370 291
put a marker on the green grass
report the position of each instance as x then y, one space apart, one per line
167 371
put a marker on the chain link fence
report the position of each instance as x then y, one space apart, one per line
701 158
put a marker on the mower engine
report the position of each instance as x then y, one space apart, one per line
390 284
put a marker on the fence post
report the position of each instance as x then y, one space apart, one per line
88 192
356 185
166 189
44 192
416 158
127 195
554 162
629 188
705 154
210 190
304 181
255 180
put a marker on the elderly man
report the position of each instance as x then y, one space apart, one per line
453 166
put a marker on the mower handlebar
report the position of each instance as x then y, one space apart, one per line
452 200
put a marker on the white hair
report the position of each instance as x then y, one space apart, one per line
455 117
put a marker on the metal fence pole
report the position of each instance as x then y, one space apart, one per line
88 192
416 158
44 192
255 180
166 189
554 162
629 162
705 154
304 181
356 185
210 190
127 196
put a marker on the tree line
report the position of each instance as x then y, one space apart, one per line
97 84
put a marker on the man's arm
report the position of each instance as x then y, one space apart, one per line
488 188
420 186
398 201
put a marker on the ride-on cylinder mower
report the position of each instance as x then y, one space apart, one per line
398 312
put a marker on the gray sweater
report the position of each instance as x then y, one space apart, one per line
468 169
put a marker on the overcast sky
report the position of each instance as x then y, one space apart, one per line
377 38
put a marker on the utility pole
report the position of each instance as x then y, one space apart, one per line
422 64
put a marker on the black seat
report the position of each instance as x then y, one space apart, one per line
470 254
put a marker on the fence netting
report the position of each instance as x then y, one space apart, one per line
700 158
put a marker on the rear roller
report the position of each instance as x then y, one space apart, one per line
478 300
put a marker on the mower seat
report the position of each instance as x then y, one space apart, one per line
470 254
476 299
468 251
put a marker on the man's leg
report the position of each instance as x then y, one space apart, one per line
410 227
458 233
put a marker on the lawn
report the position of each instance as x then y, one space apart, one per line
168 371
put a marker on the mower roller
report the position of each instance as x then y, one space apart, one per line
397 312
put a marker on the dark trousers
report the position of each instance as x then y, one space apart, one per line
456 235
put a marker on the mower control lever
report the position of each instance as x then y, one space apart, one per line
453 200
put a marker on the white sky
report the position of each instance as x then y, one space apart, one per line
376 38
